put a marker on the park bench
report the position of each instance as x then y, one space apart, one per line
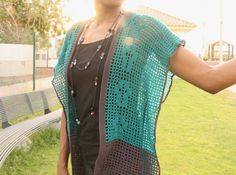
15 106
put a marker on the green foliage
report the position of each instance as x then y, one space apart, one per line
19 18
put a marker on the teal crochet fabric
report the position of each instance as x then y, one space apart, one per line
136 82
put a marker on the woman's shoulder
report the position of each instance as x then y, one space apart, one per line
145 21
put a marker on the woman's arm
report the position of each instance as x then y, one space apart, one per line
62 164
189 67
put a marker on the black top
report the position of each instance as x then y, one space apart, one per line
84 89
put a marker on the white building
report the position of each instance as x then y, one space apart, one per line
16 60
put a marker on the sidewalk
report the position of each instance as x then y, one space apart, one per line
232 88
19 88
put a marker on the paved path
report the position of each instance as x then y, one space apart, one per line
19 88
232 88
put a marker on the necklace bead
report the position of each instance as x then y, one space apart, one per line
99 47
92 113
74 63
102 55
77 121
87 65
96 81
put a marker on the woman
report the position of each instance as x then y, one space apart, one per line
113 73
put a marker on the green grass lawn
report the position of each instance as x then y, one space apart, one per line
39 160
196 135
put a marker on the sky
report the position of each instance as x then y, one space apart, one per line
204 13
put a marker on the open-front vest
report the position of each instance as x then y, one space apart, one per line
135 82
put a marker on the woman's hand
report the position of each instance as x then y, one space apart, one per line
191 68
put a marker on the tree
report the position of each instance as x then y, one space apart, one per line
20 18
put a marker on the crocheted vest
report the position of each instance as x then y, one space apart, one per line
135 82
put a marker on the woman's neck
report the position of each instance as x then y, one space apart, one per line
106 14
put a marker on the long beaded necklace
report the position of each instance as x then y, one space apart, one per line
101 45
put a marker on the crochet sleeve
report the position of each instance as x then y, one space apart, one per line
162 41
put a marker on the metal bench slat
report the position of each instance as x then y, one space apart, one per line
22 130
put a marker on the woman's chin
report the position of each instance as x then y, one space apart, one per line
111 3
